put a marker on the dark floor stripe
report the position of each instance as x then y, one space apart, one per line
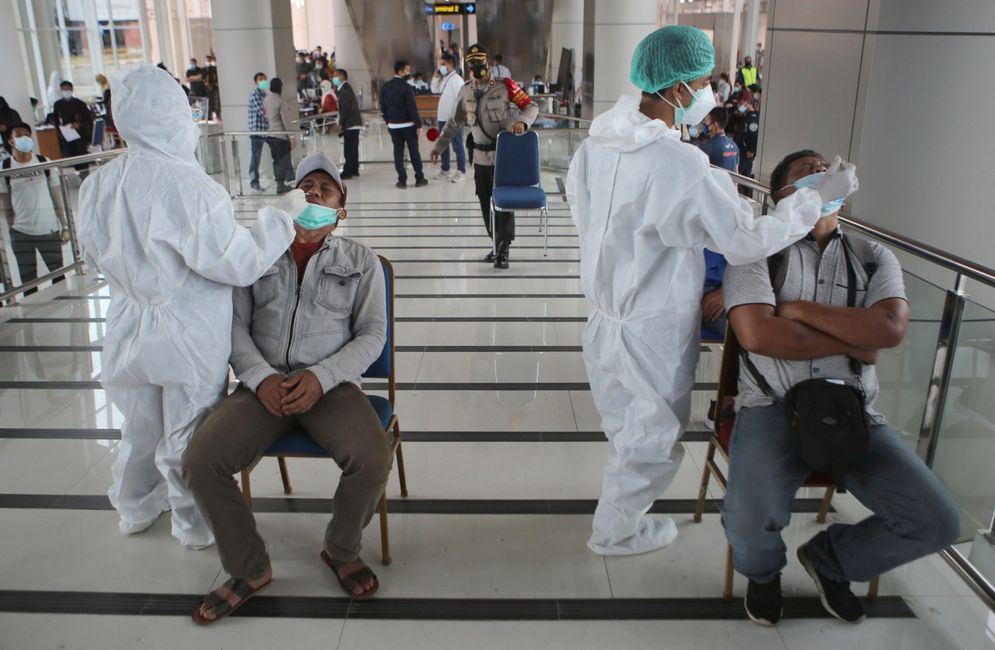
490 276
398 506
399 319
399 348
435 609
409 436
481 236
91 384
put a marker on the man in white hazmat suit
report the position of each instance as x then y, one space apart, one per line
645 205
164 235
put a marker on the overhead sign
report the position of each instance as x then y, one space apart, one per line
451 8
448 27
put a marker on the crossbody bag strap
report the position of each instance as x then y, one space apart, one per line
757 376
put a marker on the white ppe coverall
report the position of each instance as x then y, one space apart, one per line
163 234
645 204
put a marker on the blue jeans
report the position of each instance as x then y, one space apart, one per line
914 515
257 142
457 147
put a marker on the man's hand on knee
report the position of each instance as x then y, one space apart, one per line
305 390
271 393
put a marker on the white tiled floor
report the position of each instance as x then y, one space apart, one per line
427 232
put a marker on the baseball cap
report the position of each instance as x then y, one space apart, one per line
320 162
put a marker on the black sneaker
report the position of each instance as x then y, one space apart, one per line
490 257
710 418
764 604
837 599
422 182
401 186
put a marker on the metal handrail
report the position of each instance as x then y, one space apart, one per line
27 286
571 118
63 162
316 117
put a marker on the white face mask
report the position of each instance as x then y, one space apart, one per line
702 102
67 94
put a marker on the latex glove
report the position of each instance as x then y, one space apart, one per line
293 203
839 182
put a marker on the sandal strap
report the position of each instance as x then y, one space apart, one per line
359 575
220 605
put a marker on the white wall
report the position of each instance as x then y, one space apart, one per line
910 109
619 25
567 32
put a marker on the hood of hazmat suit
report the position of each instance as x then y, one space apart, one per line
645 205
163 234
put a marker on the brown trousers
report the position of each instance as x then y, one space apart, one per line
240 429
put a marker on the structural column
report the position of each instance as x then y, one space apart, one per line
252 36
612 29
349 53
567 32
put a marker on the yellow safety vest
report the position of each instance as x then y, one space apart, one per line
749 76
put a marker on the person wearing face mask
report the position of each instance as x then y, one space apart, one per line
350 123
821 309
748 74
488 105
257 124
32 204
448 85
73 112
397 105
746 134
163 234
645 205
302 337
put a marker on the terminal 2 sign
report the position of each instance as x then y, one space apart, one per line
451 8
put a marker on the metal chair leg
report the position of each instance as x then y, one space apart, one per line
827 500
384 532
400 463
727 587
284 474
544 219
699 508
246 487
493 229
872 588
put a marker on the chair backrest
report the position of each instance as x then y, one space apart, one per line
516 160
383 367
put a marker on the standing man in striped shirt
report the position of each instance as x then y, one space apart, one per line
257 123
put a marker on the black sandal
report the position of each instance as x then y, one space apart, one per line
219 604
354 579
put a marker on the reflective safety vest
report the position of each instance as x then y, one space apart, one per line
749 76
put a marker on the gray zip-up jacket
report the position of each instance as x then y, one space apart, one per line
335 325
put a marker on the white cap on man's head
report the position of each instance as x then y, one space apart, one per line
320 162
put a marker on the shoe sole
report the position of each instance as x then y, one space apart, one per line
812 573
760 621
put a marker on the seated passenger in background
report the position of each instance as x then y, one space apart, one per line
713 315
301 339
791 337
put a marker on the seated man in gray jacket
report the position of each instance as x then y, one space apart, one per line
301 339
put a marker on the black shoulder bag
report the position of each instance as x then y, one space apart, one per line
827 416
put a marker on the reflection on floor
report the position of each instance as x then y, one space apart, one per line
504 458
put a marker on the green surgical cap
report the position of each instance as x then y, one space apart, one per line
671 54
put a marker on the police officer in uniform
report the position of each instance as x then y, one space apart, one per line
488 105
745 135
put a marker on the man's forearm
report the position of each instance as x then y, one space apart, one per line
782 338
864 328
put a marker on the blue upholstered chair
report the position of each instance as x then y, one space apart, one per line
299 445
516 179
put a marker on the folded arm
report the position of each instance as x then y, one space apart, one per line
882 325
761 331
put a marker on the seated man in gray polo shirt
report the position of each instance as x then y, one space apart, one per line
804 329
302 336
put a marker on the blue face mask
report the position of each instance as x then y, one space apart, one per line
316 216
264 85
443 70
693 131
811 181
24 144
